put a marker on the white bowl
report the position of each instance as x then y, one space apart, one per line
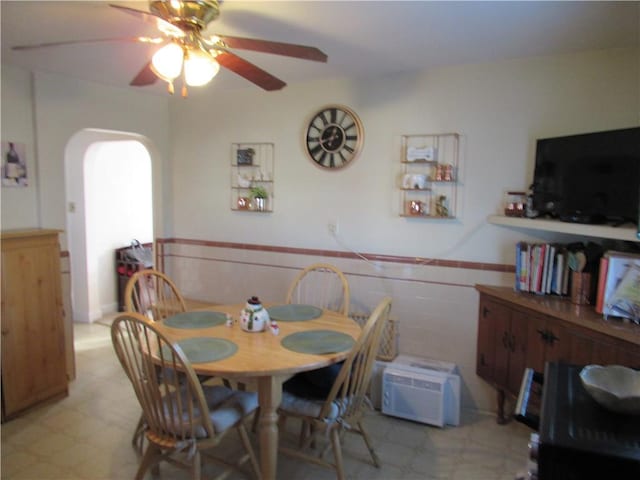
615 387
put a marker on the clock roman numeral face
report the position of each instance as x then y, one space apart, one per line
334 137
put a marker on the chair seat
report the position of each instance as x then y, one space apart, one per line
292 404
226 407
227 412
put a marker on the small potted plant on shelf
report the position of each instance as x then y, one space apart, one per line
259 194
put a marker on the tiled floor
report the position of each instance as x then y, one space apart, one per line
87 436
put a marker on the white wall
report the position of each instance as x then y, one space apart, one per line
65 106
19 205
500 109
118 209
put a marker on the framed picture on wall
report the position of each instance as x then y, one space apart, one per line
14 165
245 156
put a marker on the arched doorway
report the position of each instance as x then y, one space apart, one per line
108 179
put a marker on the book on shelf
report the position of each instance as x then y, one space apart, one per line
523 252
541 268
546 250
551 260
565 275
561 272
602 279
625 299
538 267
617 266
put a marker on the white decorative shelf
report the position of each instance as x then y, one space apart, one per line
436 175
252 165
628 233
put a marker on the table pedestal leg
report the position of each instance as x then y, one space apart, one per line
269 397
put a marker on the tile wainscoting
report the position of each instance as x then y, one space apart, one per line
434 300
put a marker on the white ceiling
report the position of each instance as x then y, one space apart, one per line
361 38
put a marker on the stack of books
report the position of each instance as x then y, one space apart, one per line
618 292
542 268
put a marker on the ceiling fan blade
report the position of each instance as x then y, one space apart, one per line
277 48
149 17
249 71
91 40
144 77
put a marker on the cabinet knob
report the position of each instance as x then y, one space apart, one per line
485 311
543 334
5 331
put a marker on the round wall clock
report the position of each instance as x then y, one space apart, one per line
334 136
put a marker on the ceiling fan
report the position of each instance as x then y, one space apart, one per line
187 51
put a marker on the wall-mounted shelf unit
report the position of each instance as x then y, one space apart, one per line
624 232
428 181
252 166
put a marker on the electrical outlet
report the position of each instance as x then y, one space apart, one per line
332 226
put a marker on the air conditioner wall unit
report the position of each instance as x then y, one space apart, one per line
422 390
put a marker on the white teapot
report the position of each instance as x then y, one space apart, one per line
254 317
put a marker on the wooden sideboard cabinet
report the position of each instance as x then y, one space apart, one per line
33 339
523 330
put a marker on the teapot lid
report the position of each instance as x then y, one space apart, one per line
254 301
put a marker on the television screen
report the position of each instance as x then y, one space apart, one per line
589 178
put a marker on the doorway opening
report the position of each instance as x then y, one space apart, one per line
109 203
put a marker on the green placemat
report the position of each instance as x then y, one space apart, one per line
206 349
195 320
318 342
294 312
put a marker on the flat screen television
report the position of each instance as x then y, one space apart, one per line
588 178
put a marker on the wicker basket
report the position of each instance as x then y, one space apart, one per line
388 342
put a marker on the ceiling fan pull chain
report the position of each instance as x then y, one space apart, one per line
184 91
170 87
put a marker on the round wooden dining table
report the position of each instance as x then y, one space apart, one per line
261 358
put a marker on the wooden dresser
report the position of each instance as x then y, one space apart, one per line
33 339
523 330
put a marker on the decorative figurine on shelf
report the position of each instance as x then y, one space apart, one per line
254 317
243 181
243 203
441 206
416 207
259 195
515 204
447 173
439 173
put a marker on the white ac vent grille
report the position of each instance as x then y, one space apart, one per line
399 380
414 382
427 385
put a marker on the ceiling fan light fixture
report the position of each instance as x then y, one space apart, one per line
199 68
167 61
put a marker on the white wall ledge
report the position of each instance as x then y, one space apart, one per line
624 232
